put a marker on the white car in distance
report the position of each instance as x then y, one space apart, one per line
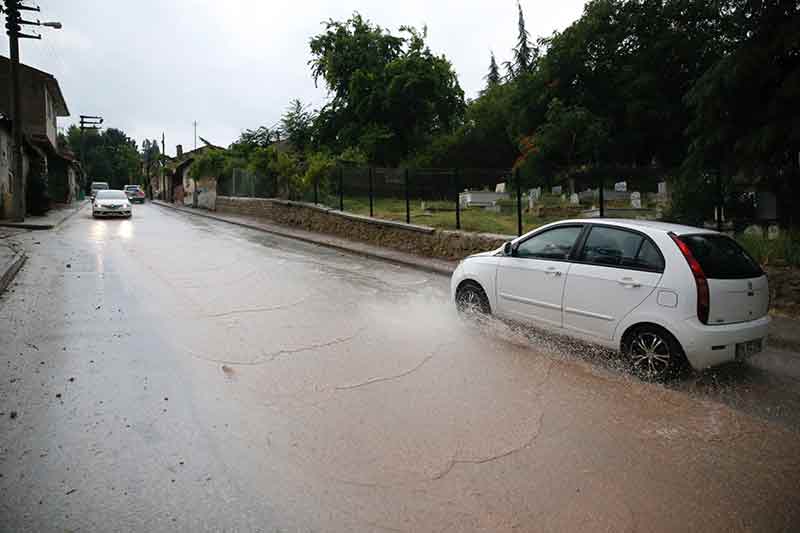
662 294
111 202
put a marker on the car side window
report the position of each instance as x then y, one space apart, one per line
649 257
552 244
617 247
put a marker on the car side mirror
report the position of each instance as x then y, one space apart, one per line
508 249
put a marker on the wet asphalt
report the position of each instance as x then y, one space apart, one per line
172 373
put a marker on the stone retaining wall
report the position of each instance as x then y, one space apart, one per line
411 238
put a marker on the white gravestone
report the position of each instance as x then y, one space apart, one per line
556 189
636 200
621 186
574 199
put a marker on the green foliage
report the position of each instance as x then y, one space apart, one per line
109 156
524 54
210 163
493 77
783 250
298 125
389 93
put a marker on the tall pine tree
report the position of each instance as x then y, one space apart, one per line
493 77
524 53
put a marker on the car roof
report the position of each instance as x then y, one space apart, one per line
641 225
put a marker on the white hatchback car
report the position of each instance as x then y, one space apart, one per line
663 294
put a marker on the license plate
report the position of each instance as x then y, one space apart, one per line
745 350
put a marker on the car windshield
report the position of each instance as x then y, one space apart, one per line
721 257
131 187
111 195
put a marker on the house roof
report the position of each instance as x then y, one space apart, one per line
49 80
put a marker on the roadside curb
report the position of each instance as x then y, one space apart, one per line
45 225
400 258
10 271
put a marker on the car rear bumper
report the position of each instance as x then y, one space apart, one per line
707 346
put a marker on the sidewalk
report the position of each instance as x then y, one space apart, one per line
436 266
52 219
784 332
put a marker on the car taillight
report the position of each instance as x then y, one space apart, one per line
703 297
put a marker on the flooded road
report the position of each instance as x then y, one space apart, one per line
171 373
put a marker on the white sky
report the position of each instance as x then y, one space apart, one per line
149 66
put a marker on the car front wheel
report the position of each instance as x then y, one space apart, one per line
654 353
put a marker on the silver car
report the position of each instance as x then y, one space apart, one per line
111 203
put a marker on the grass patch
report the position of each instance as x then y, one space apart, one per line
442 215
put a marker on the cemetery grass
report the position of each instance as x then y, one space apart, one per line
441 214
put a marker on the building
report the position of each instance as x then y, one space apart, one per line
184 190
51 175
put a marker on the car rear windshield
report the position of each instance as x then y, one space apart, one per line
98 186
131 187
721 257
111 195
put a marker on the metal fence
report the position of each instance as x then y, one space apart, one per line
482 200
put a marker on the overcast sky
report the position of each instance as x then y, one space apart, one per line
158 65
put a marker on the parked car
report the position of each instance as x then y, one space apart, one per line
135 193
98 186
663 294
110 202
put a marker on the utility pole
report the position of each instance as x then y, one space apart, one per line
14 23
163 164
88 122
195 134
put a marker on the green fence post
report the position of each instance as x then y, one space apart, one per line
408 207
519 202
370 193
458 199
341 189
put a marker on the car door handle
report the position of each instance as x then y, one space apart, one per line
552 272
629 282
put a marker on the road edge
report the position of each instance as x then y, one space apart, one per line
33 226
392 257
10 271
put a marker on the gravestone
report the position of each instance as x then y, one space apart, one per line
662 188
621 186
636 200
500 187
773 232
535 194
556 189
574 199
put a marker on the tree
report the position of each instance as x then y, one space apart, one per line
493 77
524 53
298 125
746 112
151 160
109 155
390 93
571 138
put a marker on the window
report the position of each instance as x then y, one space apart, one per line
618 247
721 257
552 244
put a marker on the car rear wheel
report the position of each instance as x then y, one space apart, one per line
471 300
653 352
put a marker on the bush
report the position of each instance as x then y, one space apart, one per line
784 250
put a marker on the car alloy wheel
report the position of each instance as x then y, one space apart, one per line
653 352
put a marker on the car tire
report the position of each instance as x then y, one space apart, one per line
471 300
654 353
